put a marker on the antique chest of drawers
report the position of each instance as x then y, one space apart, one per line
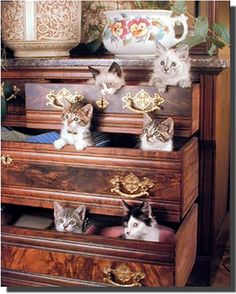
36 175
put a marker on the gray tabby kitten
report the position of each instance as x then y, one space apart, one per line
157 135
76 126
69 219
171 67
109 81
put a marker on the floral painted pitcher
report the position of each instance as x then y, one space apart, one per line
136 32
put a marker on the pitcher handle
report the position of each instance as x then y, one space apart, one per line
183 19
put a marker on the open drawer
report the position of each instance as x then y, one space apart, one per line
36 257
121 112
100 177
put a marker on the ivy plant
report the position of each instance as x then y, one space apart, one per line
218 36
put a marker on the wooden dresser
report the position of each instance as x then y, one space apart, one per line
187 188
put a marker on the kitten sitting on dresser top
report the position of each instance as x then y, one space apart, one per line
139 224
171 67
76 126
69 219
157 135
109 81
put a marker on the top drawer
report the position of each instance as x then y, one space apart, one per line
121 112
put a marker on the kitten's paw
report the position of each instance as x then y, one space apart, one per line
160 86
58 144
80 146
184 83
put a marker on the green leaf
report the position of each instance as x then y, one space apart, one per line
201 26
221 30
192 41
216 42
179 6
212 50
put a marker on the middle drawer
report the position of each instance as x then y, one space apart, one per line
101 177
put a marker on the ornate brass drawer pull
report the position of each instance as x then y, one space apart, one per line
6 159
122 276
56 100
131 183
142 102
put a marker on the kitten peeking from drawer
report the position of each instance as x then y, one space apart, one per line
109 81
171 67
76 126
140 224
69 219
157 135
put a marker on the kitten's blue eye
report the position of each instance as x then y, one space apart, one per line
72 222
155 133
66 116
61 221
162 62
76 118
173 64
135 225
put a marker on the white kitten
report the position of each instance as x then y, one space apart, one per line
76 124
139 223
109 81
171 67
157 135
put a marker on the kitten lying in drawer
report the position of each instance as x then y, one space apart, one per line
139 224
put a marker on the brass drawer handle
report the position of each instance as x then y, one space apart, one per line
122 276
142 102
131 183
56 100
6 159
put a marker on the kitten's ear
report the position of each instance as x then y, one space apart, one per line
58 209
160 49
146 208
146 119
115 68
169 123
94 72
88 110
126 207
80 212
183 52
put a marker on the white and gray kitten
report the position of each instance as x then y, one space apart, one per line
76 126
139 224
109 81
171 67
69 219
157 135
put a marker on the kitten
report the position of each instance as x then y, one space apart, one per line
139 223
109 81
171 67
69 219
76 123
157 135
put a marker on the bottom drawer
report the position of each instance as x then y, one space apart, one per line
32 257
